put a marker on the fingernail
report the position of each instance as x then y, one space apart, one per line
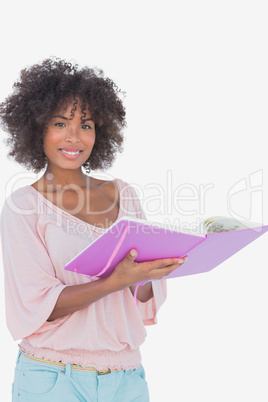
180 260
133 253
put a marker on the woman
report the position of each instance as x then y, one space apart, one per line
80 337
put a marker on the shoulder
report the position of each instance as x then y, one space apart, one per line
110 188
20 201
117 190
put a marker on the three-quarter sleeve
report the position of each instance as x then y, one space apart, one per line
31 287
149 309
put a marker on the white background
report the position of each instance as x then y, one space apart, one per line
195 75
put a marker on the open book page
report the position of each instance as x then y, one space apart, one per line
214 224
219 224
166 226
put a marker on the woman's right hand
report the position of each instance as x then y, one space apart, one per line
128 272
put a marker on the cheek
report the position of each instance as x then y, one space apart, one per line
50 138
89 140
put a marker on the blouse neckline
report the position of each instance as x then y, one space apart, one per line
72 217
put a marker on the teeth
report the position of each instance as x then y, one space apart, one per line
70 153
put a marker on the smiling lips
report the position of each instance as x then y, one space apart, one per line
70 153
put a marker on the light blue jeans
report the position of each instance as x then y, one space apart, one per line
39 381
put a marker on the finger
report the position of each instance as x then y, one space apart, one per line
166 262
159 273
169 268
131 255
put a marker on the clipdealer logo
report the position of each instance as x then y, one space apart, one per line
245 198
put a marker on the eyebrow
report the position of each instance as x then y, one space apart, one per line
61 117
87 119
66 118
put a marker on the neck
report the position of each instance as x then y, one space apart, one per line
56 177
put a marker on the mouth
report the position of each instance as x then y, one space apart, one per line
70 153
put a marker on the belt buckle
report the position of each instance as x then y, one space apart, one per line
103 372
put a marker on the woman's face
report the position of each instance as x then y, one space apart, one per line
69 140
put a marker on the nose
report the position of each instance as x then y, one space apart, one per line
72 135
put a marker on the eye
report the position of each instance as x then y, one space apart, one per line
86 127
59 124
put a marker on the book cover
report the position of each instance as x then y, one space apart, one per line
205 251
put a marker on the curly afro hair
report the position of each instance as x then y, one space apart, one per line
44 88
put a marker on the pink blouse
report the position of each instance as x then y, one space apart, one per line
38 239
